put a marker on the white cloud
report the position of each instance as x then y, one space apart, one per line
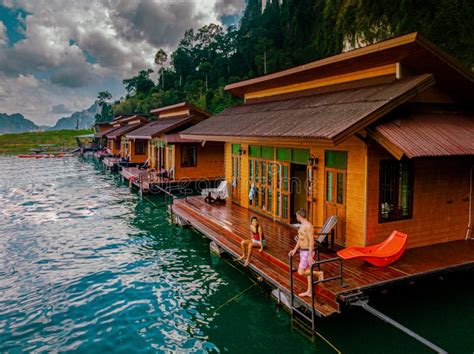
79 47
34 98
3 34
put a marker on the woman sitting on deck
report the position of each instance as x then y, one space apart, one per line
257 240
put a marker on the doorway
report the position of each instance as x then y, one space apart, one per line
298 183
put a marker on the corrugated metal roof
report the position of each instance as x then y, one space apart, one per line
321 116
158 127
431 134
105 132
117 133
176 138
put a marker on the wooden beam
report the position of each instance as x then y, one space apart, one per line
175 113
262 140
388 145
390 69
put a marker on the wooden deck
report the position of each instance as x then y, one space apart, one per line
228 224
145 181
110 161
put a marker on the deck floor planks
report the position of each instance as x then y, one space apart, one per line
230 223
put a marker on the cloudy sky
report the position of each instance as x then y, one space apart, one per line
55 55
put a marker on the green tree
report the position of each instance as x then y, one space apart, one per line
140 84
160 59
105 115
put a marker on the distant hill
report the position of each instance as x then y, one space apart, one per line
15 123
82 120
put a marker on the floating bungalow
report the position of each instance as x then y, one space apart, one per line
185 160
381 137
115 136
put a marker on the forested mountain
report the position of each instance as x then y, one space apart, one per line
285 34
78 120
15 123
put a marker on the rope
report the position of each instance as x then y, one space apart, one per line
328 342
232 299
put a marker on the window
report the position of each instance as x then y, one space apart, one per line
188 155
396 190
140 147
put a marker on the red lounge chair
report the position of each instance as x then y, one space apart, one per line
381 254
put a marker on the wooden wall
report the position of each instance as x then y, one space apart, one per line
440 200
113 146
151 154
137 158
355 189
210 162
228 162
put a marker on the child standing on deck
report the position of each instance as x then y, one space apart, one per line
306 246
257 240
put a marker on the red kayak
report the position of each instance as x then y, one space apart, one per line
381 254
44 156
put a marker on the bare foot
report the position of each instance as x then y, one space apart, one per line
239 259
305 294
247 262
319 274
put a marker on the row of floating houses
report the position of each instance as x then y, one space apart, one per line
381 136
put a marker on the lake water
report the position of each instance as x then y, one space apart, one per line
88 266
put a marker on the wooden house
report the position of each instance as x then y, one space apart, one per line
120 126
190 159
382 136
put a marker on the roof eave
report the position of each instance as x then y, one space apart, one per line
426 82
258 139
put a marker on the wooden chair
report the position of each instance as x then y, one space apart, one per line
216 195
326 231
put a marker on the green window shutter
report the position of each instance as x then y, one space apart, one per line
300 156
268 152
235 148
336 159
255 151
283 154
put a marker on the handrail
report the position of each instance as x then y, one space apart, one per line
316 264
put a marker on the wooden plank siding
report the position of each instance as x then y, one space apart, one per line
384 70
228 162
134 157
210 162
112 145
440 200
355 192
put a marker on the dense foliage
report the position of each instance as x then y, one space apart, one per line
288 33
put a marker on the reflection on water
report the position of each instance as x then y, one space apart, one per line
87 266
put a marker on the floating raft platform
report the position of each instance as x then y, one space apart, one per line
227 226
111 162
146 182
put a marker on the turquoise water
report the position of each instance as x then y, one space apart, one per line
87 266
